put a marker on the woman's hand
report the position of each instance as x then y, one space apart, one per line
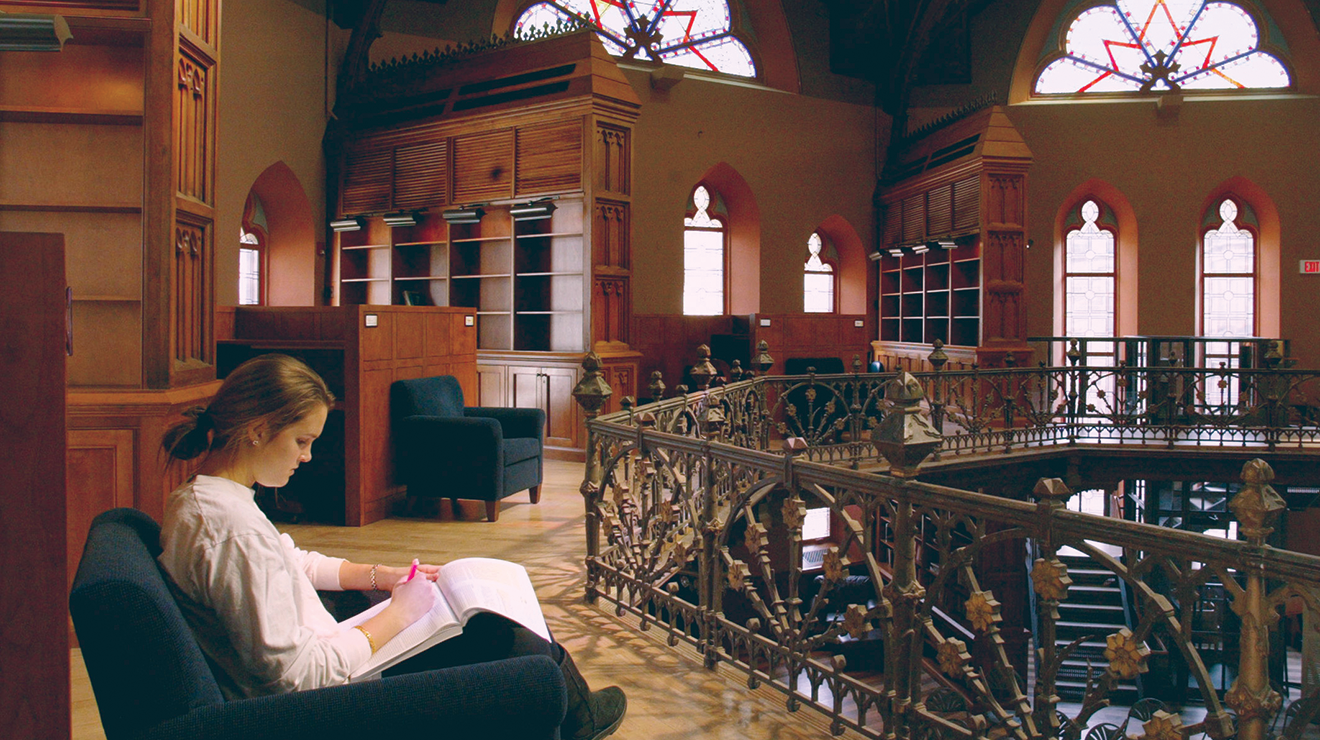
387 577
358 576
412 597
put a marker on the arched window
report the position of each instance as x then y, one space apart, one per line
1161 45
688 33
818 278
252 254
704 254
1089 278
1228 280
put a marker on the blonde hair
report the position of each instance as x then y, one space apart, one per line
272 391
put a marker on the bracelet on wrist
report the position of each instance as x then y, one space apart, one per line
374 587
370 640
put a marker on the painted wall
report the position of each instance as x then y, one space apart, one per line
805 159
274 94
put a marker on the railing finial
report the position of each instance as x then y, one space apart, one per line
703 371
657 386
1257 505
592 392
937 358
905 436
763 361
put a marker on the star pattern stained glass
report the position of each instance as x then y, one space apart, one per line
689 33
1162 45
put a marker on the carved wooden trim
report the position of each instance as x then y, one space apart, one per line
614 152
610 235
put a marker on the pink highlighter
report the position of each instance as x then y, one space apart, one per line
412 572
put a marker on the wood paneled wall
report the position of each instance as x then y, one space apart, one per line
668 342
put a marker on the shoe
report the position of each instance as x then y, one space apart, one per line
591 714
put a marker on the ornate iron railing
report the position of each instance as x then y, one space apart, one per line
695 513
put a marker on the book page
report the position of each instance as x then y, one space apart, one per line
435 626
486 584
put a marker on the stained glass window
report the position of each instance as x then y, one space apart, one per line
688 33
1143 45
703 259
817 280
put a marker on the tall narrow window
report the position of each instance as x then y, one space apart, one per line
689 33
1088 299
1228 290
818 278
252 254
703 258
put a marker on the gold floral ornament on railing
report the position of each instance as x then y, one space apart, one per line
795 513
982 610
855 621
738 575
1126 654
1164 726
833 565
953 656
1050 578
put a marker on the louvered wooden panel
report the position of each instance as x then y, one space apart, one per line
939 211
966 197
914 218
893 216
421 175
483 166
367 175
549 158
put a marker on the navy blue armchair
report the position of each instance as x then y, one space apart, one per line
151 679
444 449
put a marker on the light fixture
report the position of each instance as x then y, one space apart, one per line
920 248
947 244
895 251
470 215
535 209
24 32
346 224
402 218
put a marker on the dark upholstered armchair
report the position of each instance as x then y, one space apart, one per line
444 449
152 681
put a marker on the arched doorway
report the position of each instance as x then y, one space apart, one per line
291 249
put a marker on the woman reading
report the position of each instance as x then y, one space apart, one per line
250 595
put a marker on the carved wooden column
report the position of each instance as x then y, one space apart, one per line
1004 162
611 248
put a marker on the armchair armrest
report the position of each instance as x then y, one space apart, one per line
519 697
516 422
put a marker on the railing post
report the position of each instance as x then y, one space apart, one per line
592 393
1256 506
1050 580
905 438
937 359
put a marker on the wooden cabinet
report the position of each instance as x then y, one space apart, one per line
360 351
34 595
509 193
505 380
951 253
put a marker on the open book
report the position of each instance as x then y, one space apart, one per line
464 588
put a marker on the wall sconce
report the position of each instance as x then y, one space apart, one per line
463 215
402 218
947 244
534 210
346 224
895 251
24 32
920 248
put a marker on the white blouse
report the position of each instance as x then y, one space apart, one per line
250 596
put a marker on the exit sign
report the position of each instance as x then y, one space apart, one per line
1311 267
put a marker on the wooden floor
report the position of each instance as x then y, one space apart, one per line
670 694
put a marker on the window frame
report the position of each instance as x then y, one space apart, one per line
716 210
249 226
833 272
1112 229
1243 224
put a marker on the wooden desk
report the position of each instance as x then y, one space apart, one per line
360 351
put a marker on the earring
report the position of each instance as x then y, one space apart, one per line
254 443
